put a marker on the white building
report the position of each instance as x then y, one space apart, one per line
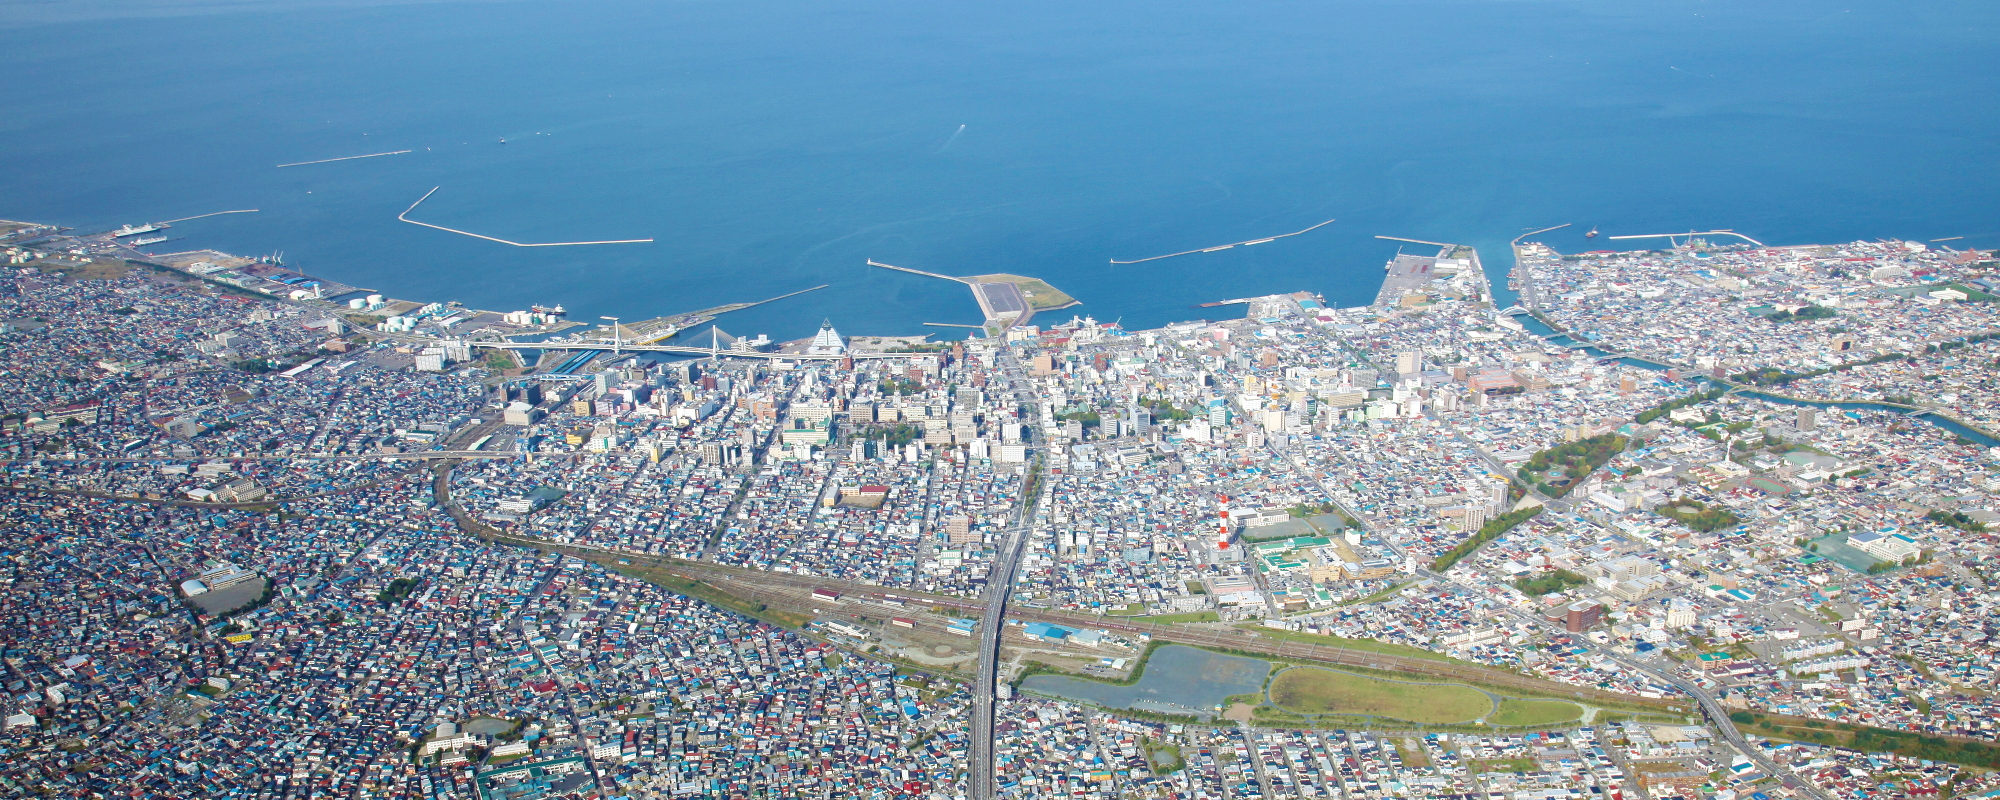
1893 547
827 342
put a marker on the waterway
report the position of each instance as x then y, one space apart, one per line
776 145
1539 328
1178 680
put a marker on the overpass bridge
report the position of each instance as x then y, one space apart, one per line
712 352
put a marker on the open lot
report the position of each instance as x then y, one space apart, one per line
1518 712
1309 690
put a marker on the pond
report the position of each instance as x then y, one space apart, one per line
1178 680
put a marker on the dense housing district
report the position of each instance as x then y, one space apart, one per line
1705 522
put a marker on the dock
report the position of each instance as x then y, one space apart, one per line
405 216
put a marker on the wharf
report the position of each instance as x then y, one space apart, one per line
248 274
1406 272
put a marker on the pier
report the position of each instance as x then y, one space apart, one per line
1244 243
663 348
405 216
343 158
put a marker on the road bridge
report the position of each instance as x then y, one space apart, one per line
666 348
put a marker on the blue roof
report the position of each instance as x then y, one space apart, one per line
1047 631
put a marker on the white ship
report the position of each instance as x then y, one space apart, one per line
147 241
131 231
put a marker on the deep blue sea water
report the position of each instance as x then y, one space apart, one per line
772 146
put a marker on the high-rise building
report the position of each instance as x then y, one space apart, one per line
1140 418
1680 614
1808 418
1406 362
1475 517
1582 615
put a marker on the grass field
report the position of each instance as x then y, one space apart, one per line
1378 596
1164 619
1501 765
96 270
1367 645
1307 690
1518 712
714 595
1413 754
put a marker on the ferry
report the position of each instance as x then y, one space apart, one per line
131 231
147 241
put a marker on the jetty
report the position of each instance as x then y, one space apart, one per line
661 328
1691 234
211 214
405 216
1244 243
1415 241
343 158
874 263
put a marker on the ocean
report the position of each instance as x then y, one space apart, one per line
769 147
